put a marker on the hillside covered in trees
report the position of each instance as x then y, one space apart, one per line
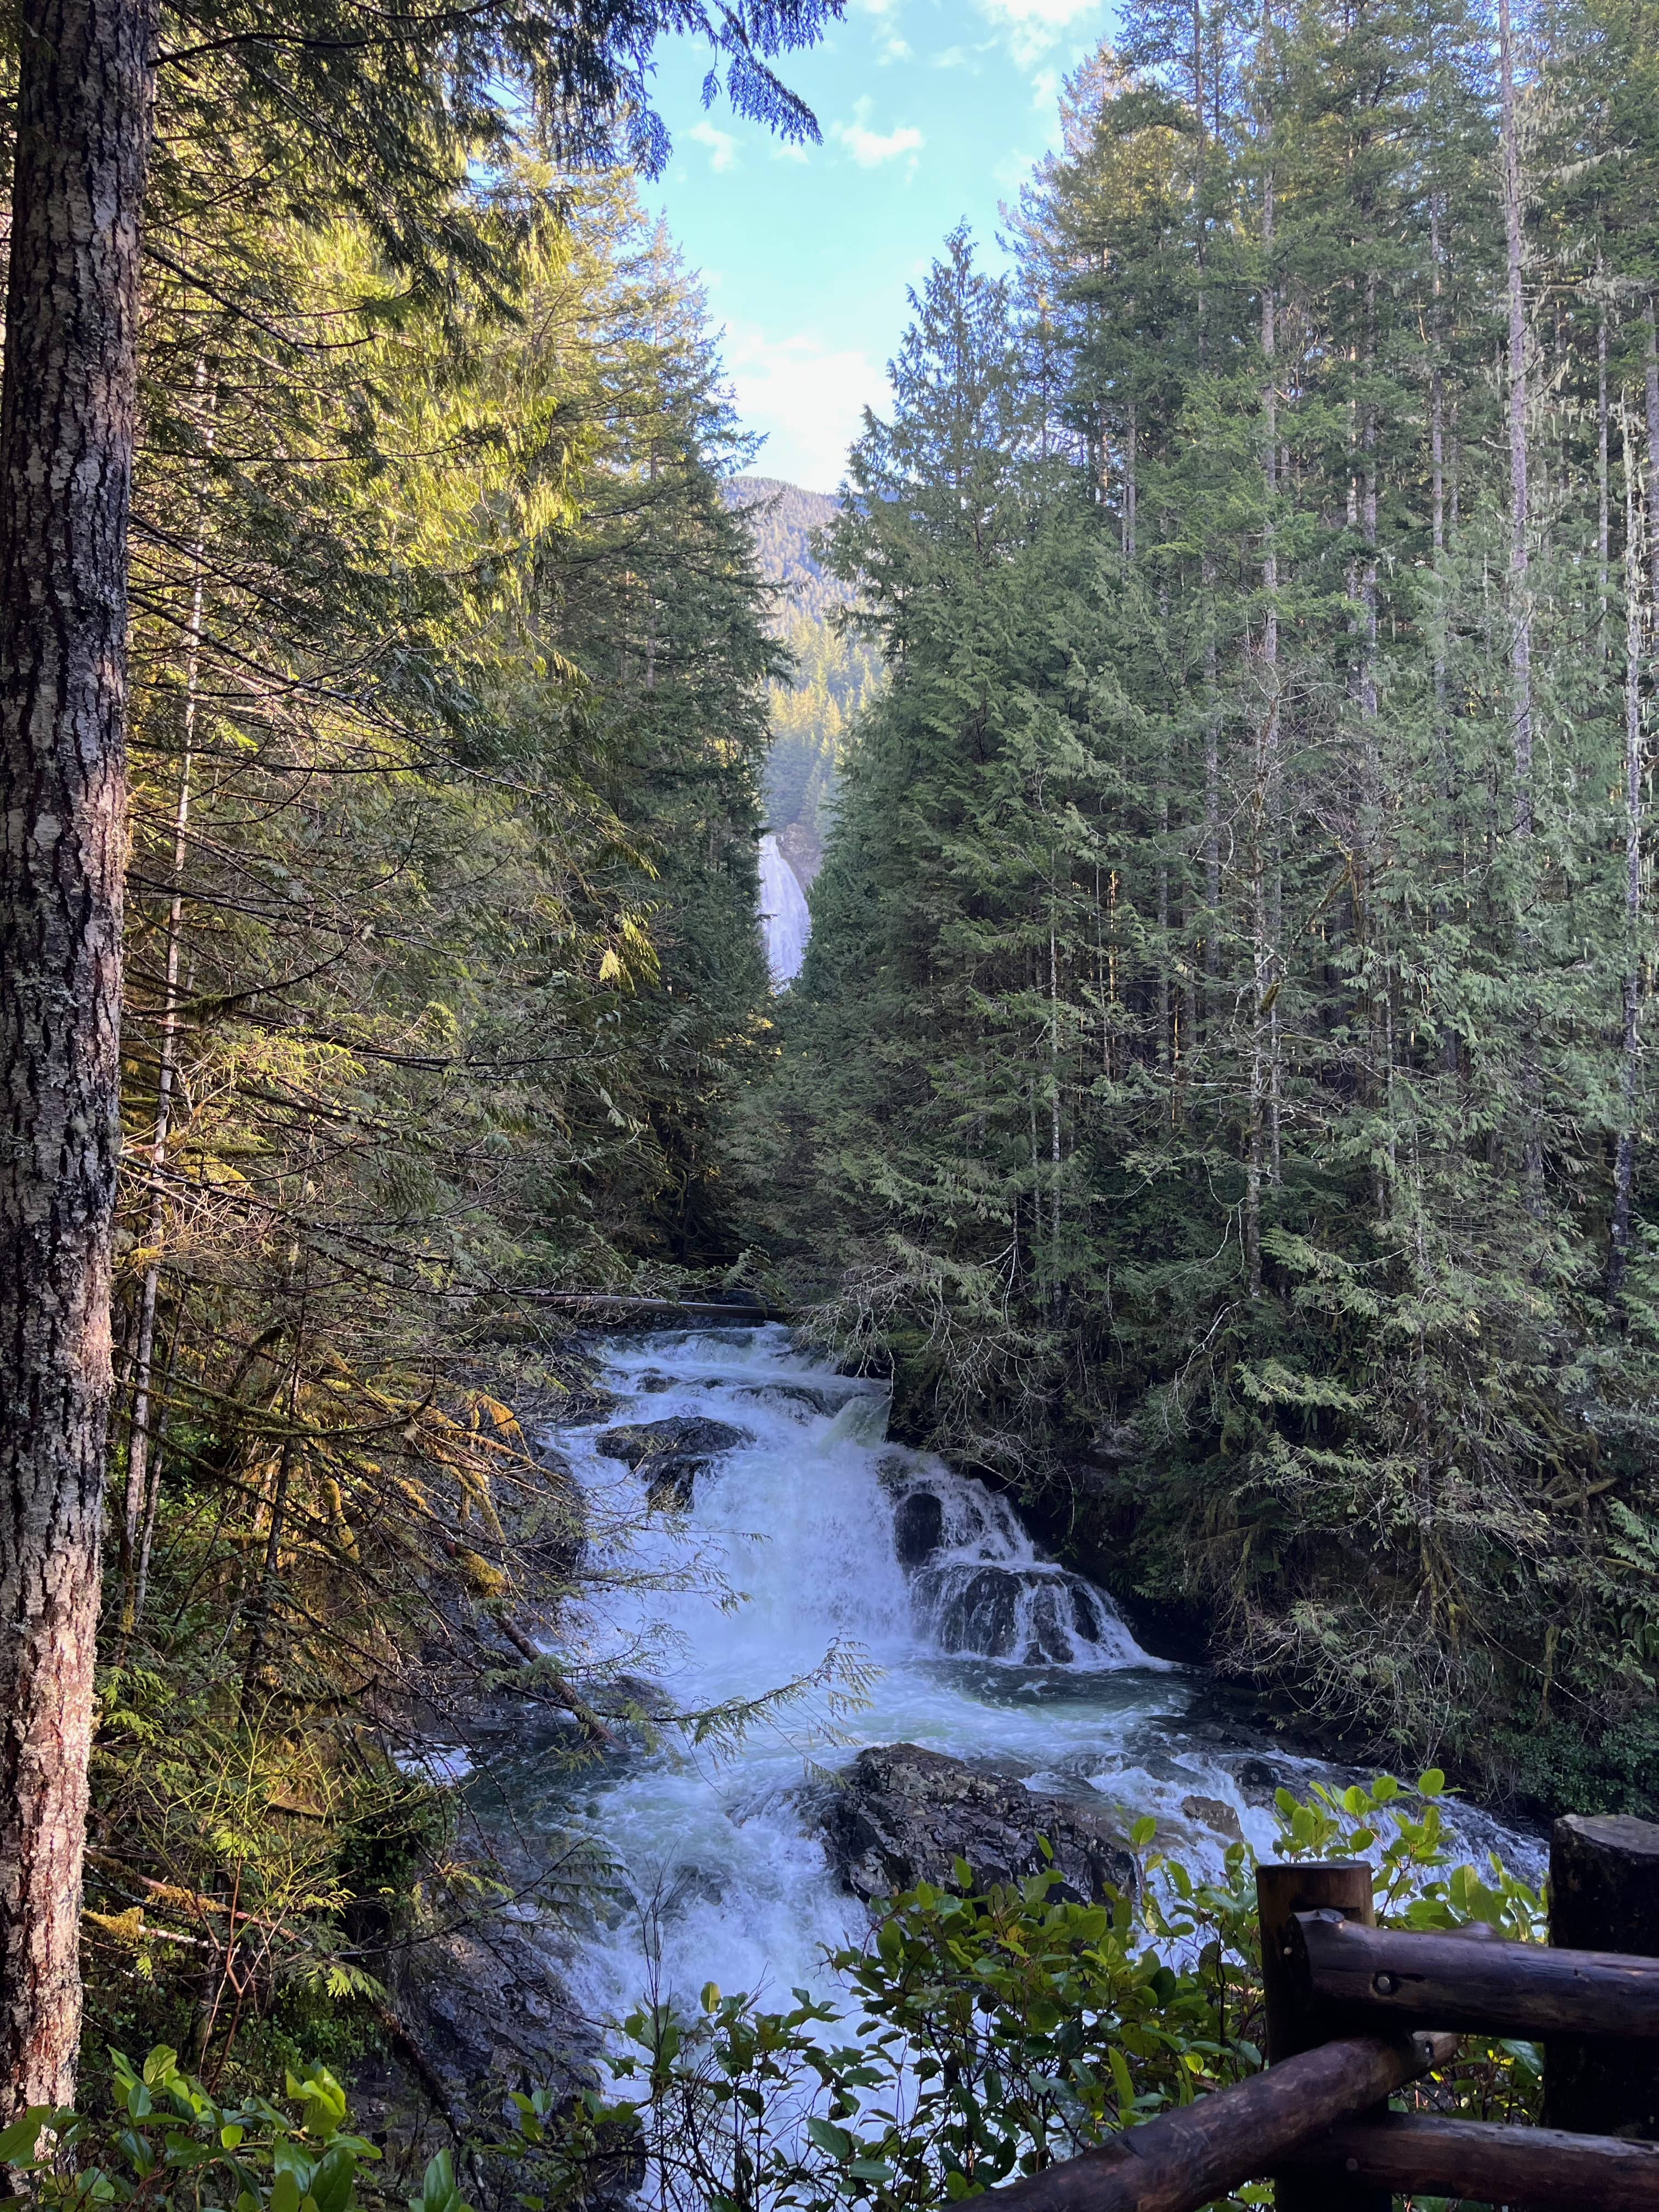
1217 1082
383 684
833 670
442 973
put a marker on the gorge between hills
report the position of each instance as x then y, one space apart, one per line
728 1201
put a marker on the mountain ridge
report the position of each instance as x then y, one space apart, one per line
782 519
835 672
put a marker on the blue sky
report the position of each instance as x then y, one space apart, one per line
931 111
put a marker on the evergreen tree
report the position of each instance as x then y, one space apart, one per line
1221 1038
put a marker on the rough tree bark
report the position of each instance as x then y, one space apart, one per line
1520 583
1624 1179
66 438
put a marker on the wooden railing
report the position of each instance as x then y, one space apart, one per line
1356 2012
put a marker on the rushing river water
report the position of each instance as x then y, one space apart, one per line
819 1535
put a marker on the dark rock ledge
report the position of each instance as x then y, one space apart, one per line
669 1455
900 1815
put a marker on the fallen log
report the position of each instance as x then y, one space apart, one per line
190 1900
690 1309
556 1687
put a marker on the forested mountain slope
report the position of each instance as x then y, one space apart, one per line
834 671
783 521
1217 1082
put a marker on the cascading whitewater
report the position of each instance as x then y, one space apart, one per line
785 922
815 1535
978 1583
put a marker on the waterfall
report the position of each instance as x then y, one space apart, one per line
785 924
814 1532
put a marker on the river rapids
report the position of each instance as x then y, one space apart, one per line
820 1539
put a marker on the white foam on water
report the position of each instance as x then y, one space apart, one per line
785 918
815 1535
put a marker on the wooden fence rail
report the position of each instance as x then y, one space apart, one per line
1509 1988
1356 2012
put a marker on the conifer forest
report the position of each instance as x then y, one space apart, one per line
1212 725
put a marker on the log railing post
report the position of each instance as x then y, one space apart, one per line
1604 1896
1343 1886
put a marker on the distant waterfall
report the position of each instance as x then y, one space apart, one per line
785 922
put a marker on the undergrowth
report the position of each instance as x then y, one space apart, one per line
977 2035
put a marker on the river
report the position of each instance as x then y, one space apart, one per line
818 1536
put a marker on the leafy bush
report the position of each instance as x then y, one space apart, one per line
169 2143
984 2033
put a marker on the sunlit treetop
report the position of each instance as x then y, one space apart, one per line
387 106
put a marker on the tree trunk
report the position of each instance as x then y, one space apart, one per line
1448 1044
1054 1104
1164 1053
1520 599
137 1516
1602 517
1131 487
1368 517
1212 799
1625 1161
66 440
1263 1041
153 1501
1436 429
1520 581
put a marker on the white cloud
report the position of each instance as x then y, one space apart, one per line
722 146
807 397
890 47
1045 89
870 149
1032 26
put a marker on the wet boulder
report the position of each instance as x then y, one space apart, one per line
918 1527
805 1395
669 1455
899 1815
1259 1783
1035 1616
1216 1815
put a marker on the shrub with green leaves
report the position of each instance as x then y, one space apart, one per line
979 2034
169 2143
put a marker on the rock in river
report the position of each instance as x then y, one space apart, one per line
900 1815
669 1455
